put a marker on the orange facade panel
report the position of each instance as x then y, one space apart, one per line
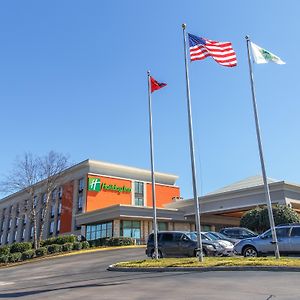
66 208
164 194
106 191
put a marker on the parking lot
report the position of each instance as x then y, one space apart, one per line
85 276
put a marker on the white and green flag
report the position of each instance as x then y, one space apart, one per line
263 56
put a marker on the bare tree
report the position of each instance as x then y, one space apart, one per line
31 174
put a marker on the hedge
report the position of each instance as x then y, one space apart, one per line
67 247
77 246
42 251
28 254
60 240
14 257
20 247
55 248
5 250
85 245
3 259
113 241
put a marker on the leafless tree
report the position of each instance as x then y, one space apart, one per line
29 174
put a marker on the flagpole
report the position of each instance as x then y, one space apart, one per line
152 169
266 186
192 150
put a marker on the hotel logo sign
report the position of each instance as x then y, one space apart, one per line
96 185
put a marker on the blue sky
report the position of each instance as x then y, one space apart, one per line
73 80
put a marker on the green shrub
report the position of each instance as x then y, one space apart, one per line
42 251
98 242
67 247
120 241
28 254
3 259
66 239
14 257
20 247
77 246
5 250
55 248
85 245
60 240
113 241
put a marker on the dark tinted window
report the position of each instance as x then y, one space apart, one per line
166 237
232 232
280 232
177 236
150 239
296 231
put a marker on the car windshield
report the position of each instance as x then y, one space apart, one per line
219 235
211 236
192 236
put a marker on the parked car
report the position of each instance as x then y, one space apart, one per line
288 237
228 246
223 237
238 233
181 243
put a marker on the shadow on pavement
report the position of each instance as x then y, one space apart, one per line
30 293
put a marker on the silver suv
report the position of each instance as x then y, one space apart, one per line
288 236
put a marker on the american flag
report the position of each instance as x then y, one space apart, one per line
221 52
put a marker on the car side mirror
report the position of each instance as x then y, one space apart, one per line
185 239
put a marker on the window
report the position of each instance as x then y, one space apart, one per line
23 233
1 238
54 194
15 236
58 225
131 229
17 221
167 237
35 200
162 226
52 210
31 231
81 185
9 223
139 187
280 232
51 229
44 198
296 231
59 208
25 220
138 201
60 192
80 202
7 237
97 231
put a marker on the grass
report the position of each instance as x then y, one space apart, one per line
210 262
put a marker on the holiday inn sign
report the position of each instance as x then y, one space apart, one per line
96 185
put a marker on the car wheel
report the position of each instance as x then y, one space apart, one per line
203 253
159 254
250 251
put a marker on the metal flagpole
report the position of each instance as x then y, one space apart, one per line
193 164
152 169
266 187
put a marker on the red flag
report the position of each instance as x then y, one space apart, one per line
155 85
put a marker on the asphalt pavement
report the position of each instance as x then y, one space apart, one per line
85 276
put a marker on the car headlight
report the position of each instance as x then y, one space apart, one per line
210 247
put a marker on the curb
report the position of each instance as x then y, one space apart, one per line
205 269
